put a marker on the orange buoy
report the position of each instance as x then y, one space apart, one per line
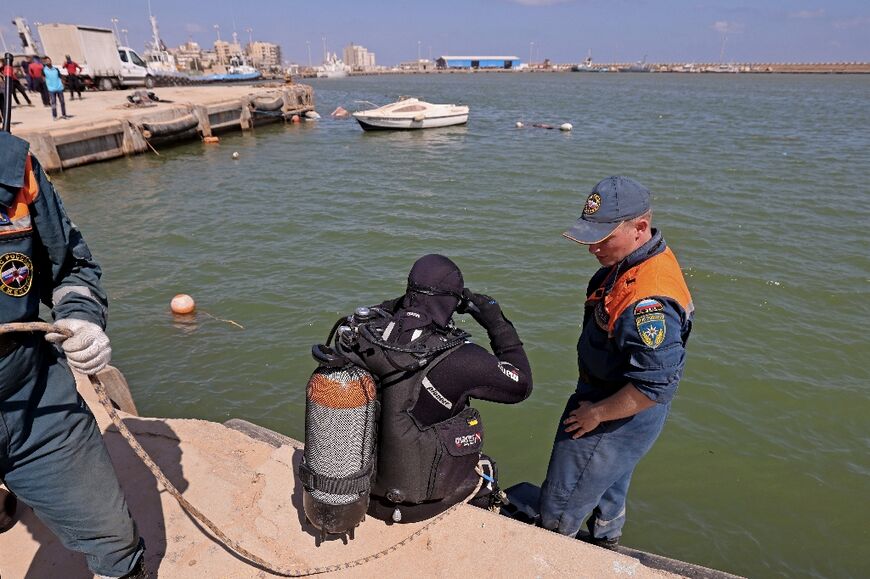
211 139
295 119
182 304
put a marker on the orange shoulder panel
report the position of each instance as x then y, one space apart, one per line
660 275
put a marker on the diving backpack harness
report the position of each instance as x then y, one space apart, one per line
360 436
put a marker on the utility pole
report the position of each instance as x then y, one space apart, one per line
126 40
308 44
115 28
419 43
531 47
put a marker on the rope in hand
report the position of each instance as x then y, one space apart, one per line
232 545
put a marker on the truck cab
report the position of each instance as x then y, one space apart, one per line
134 70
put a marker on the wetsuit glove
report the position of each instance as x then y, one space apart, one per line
87 350
487 312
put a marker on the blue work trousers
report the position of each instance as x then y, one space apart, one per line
53 457
591 474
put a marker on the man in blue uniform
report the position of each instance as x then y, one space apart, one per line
636 321
51 453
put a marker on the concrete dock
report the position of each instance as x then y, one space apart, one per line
106 125
243 477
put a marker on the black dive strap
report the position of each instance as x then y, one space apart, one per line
358 482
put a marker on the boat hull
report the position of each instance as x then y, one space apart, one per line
374 123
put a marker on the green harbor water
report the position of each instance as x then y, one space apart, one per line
760 185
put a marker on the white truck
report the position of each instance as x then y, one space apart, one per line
108 65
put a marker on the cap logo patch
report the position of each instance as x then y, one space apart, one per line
593 204
16 271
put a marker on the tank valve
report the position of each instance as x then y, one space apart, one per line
362 313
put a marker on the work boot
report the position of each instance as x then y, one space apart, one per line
8 506
602 542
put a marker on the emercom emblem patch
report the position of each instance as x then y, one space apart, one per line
593 203
16 274
650 322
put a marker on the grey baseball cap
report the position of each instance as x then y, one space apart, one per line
612 201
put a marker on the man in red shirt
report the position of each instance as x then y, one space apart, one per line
74 83
35 70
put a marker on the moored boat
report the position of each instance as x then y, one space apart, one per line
411 113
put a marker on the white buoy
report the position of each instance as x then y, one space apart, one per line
235 155
566 127
519 125
312 115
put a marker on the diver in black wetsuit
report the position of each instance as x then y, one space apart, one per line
429 437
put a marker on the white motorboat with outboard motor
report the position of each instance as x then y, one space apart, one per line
411 113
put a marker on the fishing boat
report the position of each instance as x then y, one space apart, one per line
411 113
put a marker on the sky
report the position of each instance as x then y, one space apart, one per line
564 31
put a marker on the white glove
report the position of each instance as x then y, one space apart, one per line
88 349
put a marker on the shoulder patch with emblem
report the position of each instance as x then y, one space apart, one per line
16 274
650 322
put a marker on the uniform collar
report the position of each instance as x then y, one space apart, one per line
651 248
654 246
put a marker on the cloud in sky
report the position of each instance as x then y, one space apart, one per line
726 27
807 14
857 22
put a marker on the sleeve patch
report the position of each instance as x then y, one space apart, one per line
648 306
509 370
649 318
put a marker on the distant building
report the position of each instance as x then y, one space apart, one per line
190 56
358 57
475 62
264 55
421 65
227 52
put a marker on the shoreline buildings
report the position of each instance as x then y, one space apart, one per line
358 58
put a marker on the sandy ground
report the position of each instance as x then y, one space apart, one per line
98 106
249 490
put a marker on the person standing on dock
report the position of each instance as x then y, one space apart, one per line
54 86
18 88
74 83
52 455
637 318
35 68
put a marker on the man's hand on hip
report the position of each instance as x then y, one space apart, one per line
585 418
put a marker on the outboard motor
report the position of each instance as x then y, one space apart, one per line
338 462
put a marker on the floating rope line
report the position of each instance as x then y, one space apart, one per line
230 544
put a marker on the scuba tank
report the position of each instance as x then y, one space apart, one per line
338 461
